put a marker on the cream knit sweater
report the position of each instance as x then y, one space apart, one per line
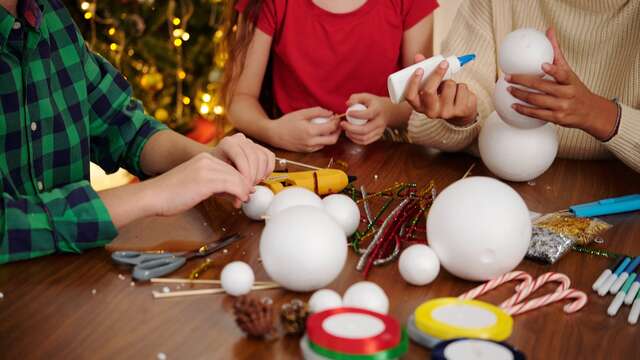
600 40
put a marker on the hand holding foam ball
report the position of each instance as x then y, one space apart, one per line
344 211
517 154
258 203
419 265
237 278
366 295
479 227
502 99
355 120
524 51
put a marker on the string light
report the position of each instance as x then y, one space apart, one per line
218 110
85 6
177 42
186 100
177 32
176 21
185 36
88 15
113 46
204 109
181 74
112 31
206 97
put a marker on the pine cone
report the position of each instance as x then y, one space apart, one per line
254 317
294 317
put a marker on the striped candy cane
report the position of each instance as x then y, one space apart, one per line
526 281
523 293
579 301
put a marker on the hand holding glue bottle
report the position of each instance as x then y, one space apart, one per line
426 85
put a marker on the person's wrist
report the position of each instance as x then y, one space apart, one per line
463 121
603 122
149 196
271 133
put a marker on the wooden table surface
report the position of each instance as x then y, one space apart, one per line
50 309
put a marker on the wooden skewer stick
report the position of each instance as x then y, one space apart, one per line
297 163
163 295
468 171
198 281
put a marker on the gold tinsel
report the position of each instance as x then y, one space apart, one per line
582 230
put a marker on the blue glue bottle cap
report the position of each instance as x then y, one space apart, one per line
466 58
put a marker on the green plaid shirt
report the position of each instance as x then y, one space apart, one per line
60 107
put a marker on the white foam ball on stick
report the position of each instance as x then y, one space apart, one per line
324 299
502 99
523 51
479 227
366 295
354 120
517 154
237 278
258 203
344 211
293 196
419 265
320 120
303 248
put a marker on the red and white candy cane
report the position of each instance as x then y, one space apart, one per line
525 278
523 293
579 301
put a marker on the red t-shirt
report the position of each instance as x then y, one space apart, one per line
321 58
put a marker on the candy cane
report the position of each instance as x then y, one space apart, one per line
523 293
579 301
525 279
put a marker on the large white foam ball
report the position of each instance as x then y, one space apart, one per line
237 278
324 299
524 51
258 203
293 196
344 211
517 154
479 227
419 265
303 248
366 295
355 120
502 99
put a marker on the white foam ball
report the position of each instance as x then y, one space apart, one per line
258 203
320 120
355 120
344 211
293 196
324 299
524 51
479 227
366 295
502 99
517 154
419 265
303 248
237 278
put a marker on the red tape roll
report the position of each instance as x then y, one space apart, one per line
388 338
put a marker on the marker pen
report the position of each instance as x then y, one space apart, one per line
397 82
604 288
631 294
619 299
635 311
624 275
606 273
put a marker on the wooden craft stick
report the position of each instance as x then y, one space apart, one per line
298 164
198 281
164 295
468 171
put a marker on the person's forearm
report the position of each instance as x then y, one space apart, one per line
166 150
247 115
129 202
400 115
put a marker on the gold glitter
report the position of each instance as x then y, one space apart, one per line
583 230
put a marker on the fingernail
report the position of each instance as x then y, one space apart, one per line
507 77
510 88
513 106
546 66
444 64
419 72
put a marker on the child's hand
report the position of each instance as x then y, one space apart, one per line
295 132
566 101
195 180
379 114
253 161
438 99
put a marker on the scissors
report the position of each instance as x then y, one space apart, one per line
150 265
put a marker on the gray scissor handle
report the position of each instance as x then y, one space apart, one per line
137 257
157 268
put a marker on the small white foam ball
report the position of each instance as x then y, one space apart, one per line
366 295
293 196
258 203
517 154
354 120
524 51
303 248
324 299
344 211
502 99
419 265
237 278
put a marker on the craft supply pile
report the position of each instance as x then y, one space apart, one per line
477 229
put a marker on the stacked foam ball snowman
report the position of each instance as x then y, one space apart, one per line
304 243
514 146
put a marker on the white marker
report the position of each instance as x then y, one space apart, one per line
397 82
635 312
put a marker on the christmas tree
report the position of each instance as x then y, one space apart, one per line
171 51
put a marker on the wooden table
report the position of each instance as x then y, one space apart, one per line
68 306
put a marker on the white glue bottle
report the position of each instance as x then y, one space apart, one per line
397 82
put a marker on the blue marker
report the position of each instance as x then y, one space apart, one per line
602 291
619 299
623 277
633 291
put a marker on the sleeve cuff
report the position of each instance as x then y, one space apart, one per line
439 133
147 129
626 143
